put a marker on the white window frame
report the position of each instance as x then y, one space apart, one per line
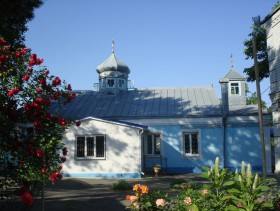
121 83
239 87
153 144
198 132
86 157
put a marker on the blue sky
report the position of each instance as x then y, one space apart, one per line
165 43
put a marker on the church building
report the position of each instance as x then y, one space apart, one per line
125 131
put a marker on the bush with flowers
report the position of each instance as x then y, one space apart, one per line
31 148
224 191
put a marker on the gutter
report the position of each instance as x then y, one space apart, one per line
141 131
270 15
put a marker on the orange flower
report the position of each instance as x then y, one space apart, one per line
127 197
137 188
133 198
145 189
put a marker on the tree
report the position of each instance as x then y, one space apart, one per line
260 35
14 15
31 148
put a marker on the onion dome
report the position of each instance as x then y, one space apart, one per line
113 64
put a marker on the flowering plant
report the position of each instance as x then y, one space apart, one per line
30 136
225 191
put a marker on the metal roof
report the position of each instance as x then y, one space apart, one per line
233 75
143 103
113 64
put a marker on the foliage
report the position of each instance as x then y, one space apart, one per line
260 35
225 191
14 15
183 184
253 100
31 148
121 185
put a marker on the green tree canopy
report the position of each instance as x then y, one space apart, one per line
260 35
14 15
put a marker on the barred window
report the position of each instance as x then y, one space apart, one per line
191 143
90 147
153 144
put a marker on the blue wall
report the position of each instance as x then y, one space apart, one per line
172 148
242 144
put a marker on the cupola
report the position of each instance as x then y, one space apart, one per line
233 90
113 74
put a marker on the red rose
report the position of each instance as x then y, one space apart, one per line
56 81
56 176
30 70
39 61
64 151
44 170
47 72
69 86
38 90
26 77
18 54
27 199
39 153
24 50
43 81
37 124
33 56
63 159
13 92
78 123
47 102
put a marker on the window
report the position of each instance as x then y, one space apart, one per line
121 83
234 88
110 83
153 144
191 143
90 147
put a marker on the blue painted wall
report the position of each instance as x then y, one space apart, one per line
242 144
172 148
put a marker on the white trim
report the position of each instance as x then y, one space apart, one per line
85 147
239 88
113 122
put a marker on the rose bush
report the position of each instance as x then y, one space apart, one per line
31 148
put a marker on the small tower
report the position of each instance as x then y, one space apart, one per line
233 90
113 75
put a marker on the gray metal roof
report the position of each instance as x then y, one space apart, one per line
144 103
233 75
113 64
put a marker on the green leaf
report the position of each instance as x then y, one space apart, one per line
231 208
192 208
228 183
267 204
234 191
262 188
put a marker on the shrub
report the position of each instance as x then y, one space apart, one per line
121 185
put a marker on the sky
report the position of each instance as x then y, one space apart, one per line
165 43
